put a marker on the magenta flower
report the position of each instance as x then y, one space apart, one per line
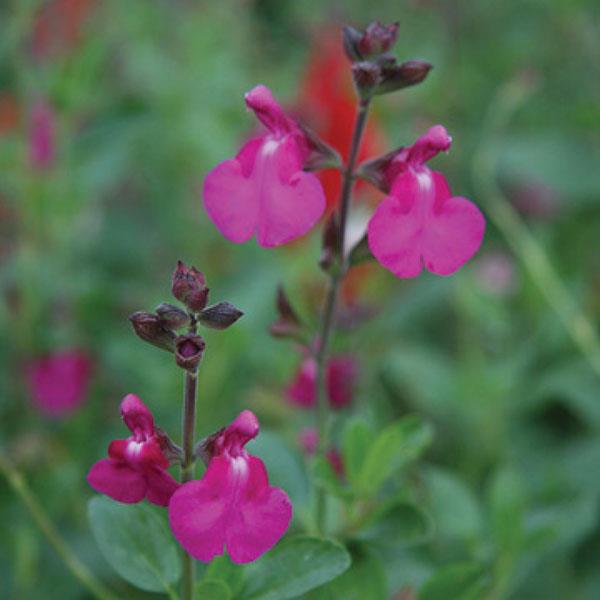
59 383
309 443
136 467
263 190
41 136
340 380
233 506
420 224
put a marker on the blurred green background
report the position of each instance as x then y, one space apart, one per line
147 96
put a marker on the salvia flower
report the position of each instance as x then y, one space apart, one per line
309 443
41 143
59 383
420 224
232 507
137 466
263 190
340 379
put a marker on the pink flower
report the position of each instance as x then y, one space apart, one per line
233 506
59 383
420 223
263 190
340 379
309 442
41 136
136 467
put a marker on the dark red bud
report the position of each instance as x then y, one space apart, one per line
189 349
351 38
367 77
172 317
330 244
219 316
149 327
189 287
377 39
407 74
289 324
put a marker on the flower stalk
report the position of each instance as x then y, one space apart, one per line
328 319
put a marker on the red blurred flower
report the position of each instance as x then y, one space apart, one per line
328 104
58 26
59 383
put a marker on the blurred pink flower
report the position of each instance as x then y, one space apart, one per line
496 273
264 190
41 142
59 383
420 223
308 439
233 506
536 200
340 380
137 466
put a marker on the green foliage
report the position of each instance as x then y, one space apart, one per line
136 542
295 567
459 581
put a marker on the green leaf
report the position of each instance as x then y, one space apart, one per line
295 567
506 508
136 542
325 476
396 446
358 438
212 589
458 581
284 465
399 525
222 568
455 510
364 580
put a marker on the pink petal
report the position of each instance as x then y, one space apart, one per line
117 480
302 391
341 379
420 224
233 506
453 237
231 201
199 512
136 415
161 486
260 99
264 191
262 517
59 382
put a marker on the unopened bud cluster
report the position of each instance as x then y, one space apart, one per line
162 327
375 70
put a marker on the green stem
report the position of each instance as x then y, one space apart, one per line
518 235
43 521
187 470
328 318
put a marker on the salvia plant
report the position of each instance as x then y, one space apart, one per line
222 509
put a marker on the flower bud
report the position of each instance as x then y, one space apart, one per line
149 327
351 38
288 325
396 77
377 39
366 76
189 287
172 317
219 316
189 349
330 244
